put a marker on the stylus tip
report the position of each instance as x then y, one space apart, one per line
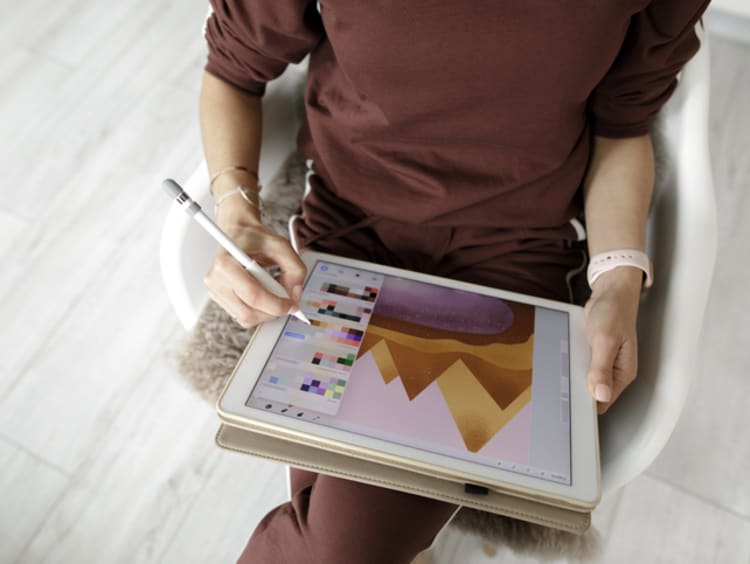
301 316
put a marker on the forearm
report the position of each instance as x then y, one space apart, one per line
231 127
617 193
231 124
617 196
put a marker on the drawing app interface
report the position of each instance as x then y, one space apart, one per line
469 376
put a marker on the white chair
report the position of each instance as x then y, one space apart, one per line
682 242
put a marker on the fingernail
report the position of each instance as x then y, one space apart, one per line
296 293
602 393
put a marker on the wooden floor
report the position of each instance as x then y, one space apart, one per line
106 457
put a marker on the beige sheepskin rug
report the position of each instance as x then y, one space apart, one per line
207 356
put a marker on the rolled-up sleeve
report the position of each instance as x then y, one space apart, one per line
250 42
659 41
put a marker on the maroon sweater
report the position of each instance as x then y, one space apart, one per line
471 113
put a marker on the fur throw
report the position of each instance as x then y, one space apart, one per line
208 355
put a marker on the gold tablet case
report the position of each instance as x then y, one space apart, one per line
351 468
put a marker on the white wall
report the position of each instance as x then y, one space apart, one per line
737 7
729 19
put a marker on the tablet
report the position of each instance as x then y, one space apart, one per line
455 380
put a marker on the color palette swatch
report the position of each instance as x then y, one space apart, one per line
330 307
368 293
339 333
331 387
332 361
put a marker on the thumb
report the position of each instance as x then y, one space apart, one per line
603 354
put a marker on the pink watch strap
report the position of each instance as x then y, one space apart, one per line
604 262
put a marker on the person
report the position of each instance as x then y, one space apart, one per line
469 141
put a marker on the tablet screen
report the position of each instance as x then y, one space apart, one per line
465 375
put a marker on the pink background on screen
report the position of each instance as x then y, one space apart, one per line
370 402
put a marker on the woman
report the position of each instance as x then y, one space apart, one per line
468 142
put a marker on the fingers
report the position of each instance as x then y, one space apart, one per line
240 312
623 372
604 349
613 368
241 294
228 280
293 270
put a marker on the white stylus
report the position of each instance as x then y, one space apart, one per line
195 211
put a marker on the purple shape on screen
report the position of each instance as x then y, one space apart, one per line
442 308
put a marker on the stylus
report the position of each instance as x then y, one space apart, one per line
259 273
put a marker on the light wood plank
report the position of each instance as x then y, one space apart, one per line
97 97
12 230
136 483
26 23
108 205
657 523
92 360
29 489
239 492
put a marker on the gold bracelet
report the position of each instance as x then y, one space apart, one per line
230 168
242 191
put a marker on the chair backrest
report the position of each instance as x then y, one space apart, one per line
682 243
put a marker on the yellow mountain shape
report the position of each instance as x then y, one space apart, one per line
477 415
384 361
504 370
517 356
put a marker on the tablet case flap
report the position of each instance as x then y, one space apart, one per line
350 468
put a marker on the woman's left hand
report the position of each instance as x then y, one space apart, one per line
611 314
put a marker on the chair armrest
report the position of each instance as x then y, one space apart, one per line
682 242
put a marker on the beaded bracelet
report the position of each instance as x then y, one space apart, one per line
230 168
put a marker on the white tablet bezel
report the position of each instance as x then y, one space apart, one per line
585 489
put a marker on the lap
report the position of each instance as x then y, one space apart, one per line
333 520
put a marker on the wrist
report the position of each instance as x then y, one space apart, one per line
237 211
628 279
236 193
616 259
229 180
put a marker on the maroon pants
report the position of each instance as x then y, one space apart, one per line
334 521
330 520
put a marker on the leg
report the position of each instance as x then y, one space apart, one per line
332 521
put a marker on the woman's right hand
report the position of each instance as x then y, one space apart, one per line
233 287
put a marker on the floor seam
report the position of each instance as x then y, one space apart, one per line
51 465
715 504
